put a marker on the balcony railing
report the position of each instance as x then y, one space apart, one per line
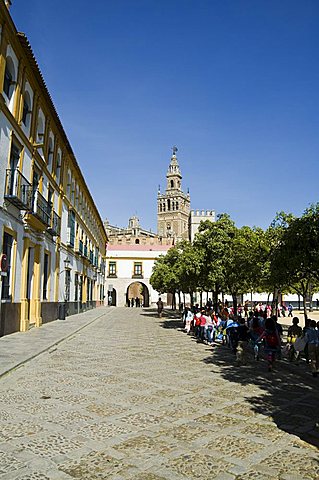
55 225
18 190
41 208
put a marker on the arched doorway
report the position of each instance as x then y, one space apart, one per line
112 298
137 290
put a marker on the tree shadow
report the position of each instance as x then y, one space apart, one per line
290 398
169 319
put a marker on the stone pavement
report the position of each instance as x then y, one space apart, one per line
130 396
20 347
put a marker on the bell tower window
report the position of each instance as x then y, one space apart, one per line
172 183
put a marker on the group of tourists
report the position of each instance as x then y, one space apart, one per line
249 334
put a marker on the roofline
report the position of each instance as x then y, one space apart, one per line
24 42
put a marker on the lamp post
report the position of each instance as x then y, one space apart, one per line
63 311
94 286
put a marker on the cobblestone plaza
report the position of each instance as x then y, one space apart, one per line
130 396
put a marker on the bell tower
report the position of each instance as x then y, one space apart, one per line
173 206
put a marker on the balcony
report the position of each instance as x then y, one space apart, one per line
18 190
41 209
55 225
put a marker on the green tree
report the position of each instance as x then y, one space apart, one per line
295 259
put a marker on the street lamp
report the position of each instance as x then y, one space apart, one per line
64 307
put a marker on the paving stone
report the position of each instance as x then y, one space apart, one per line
124 398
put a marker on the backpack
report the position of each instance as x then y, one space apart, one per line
271 338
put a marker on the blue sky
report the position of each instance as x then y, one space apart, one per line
232 83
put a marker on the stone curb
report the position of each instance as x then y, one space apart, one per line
52 343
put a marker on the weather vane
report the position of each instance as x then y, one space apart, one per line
175 149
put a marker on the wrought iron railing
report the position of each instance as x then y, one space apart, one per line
18 190
55 225
42 208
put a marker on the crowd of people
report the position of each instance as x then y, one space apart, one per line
250 334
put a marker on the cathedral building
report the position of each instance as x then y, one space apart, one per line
173 206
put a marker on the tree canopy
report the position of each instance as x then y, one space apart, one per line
225 258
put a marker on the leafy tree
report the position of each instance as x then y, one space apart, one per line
295 259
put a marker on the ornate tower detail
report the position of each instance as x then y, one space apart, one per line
173 206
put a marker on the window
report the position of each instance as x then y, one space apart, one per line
76 287
40 129
25 112
45 276
6 280
112 269
137 269
50 153
71 228
67 286
14 161
8 82
172 183
137 241
58 168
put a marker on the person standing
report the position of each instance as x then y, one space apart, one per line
160 306
312 338
290 309
294 332
272 341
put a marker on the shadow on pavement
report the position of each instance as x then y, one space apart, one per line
169 319
290 399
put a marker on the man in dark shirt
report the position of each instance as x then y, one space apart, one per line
242 347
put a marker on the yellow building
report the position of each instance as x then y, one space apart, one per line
52 238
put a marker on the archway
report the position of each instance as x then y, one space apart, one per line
137 290
112 298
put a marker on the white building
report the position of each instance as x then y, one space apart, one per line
197 216
129 268
52 239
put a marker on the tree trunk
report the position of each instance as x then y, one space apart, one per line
184 299
274 305
191 294
299 307
304 305
215 299
179 300
234 303
268 299
201 299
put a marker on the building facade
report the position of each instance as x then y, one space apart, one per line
173 206
129 268
196 217
133 234
52 238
